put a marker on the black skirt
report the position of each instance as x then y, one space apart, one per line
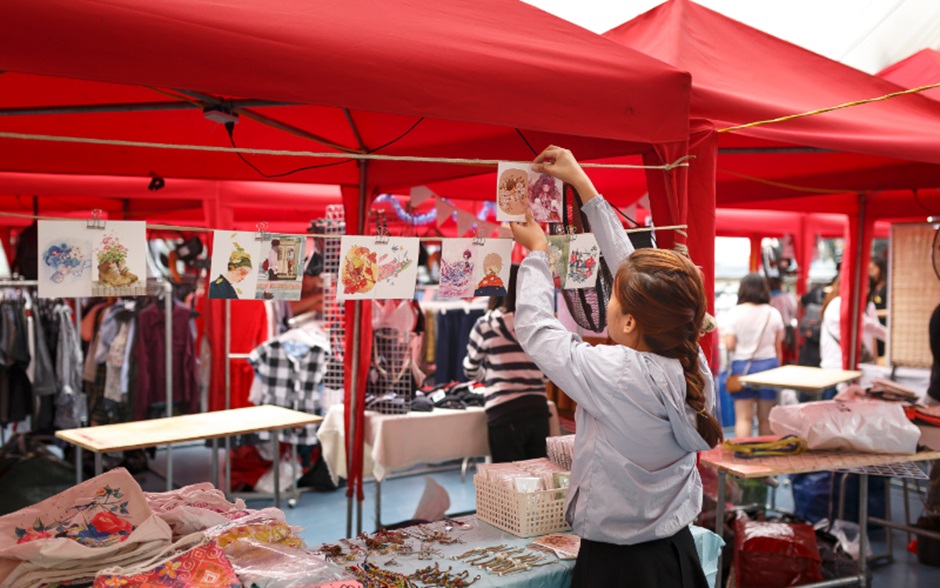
669 563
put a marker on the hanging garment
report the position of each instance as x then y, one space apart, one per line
150 353
291 369
15 388
115 363
71 403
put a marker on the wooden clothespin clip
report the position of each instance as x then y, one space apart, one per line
570 233
97 219
262 234
478 239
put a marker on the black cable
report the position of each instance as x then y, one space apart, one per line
527 144
230 128
921 204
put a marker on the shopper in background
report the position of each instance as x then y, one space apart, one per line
644 405
830 334
878 293
753 334
516 403
785 303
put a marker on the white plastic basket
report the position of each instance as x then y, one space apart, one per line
524 514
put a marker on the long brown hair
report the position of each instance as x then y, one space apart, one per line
834 291
664 292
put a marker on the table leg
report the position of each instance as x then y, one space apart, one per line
720 518
215 462
349 516
277 468
378 505
78 465
169 468
889 539
358 517
863 529
98 463
907 509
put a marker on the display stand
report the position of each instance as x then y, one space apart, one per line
800 377
725 462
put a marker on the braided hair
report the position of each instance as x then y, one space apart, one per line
664 292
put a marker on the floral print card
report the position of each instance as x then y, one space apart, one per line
65 259
457 265
236 261
382 269
574 260
583 261
281 271
119 264
519 188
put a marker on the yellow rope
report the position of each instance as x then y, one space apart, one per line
786 186
829 109
681 162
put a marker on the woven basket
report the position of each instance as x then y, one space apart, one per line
524 514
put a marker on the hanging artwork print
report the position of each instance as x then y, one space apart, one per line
236 257
574 260
65 259
519 188
371 268
280 272
119 267
474 268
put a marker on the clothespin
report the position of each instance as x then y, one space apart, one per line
97 219
262 234
570 233
478 239
382 234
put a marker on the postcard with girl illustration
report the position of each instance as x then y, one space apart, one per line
519 188
377 269
474 268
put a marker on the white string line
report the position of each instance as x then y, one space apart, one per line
678 228
681 162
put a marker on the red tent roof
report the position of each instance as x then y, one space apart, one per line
464 74
920 69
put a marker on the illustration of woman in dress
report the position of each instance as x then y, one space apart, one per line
491 284
545 199
239 266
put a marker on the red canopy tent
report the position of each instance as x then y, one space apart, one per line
742 75
462 79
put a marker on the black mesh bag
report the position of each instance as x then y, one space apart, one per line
588 306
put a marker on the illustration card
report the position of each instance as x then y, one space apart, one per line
370 269
583 262
493 261
519 188
574 259
119 263
564 545
65 259
457 269
281 271
236 259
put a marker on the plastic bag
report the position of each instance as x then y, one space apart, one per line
872 427
265 483
775 554
848 534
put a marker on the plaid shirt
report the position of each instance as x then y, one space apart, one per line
291 373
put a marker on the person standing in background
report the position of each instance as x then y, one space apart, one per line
753 335
878 293
516 403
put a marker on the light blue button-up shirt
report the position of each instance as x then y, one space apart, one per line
633 477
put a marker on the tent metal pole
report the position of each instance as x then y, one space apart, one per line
228 392
857 285
760 150
168 342
135 107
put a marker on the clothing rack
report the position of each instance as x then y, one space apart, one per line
9 283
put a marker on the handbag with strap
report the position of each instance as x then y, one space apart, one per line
734 384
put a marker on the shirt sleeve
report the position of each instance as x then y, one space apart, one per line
473 362
615 246
561 355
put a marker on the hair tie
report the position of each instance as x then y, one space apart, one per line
701 412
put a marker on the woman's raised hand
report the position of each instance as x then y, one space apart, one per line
529 234
560 163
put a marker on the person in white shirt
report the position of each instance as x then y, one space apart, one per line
753 334
830 331
644 405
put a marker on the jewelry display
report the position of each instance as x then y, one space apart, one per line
434 576
372 576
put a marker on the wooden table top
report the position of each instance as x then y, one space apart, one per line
800 377
809 461
190 427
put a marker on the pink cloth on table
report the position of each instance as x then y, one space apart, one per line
203 566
